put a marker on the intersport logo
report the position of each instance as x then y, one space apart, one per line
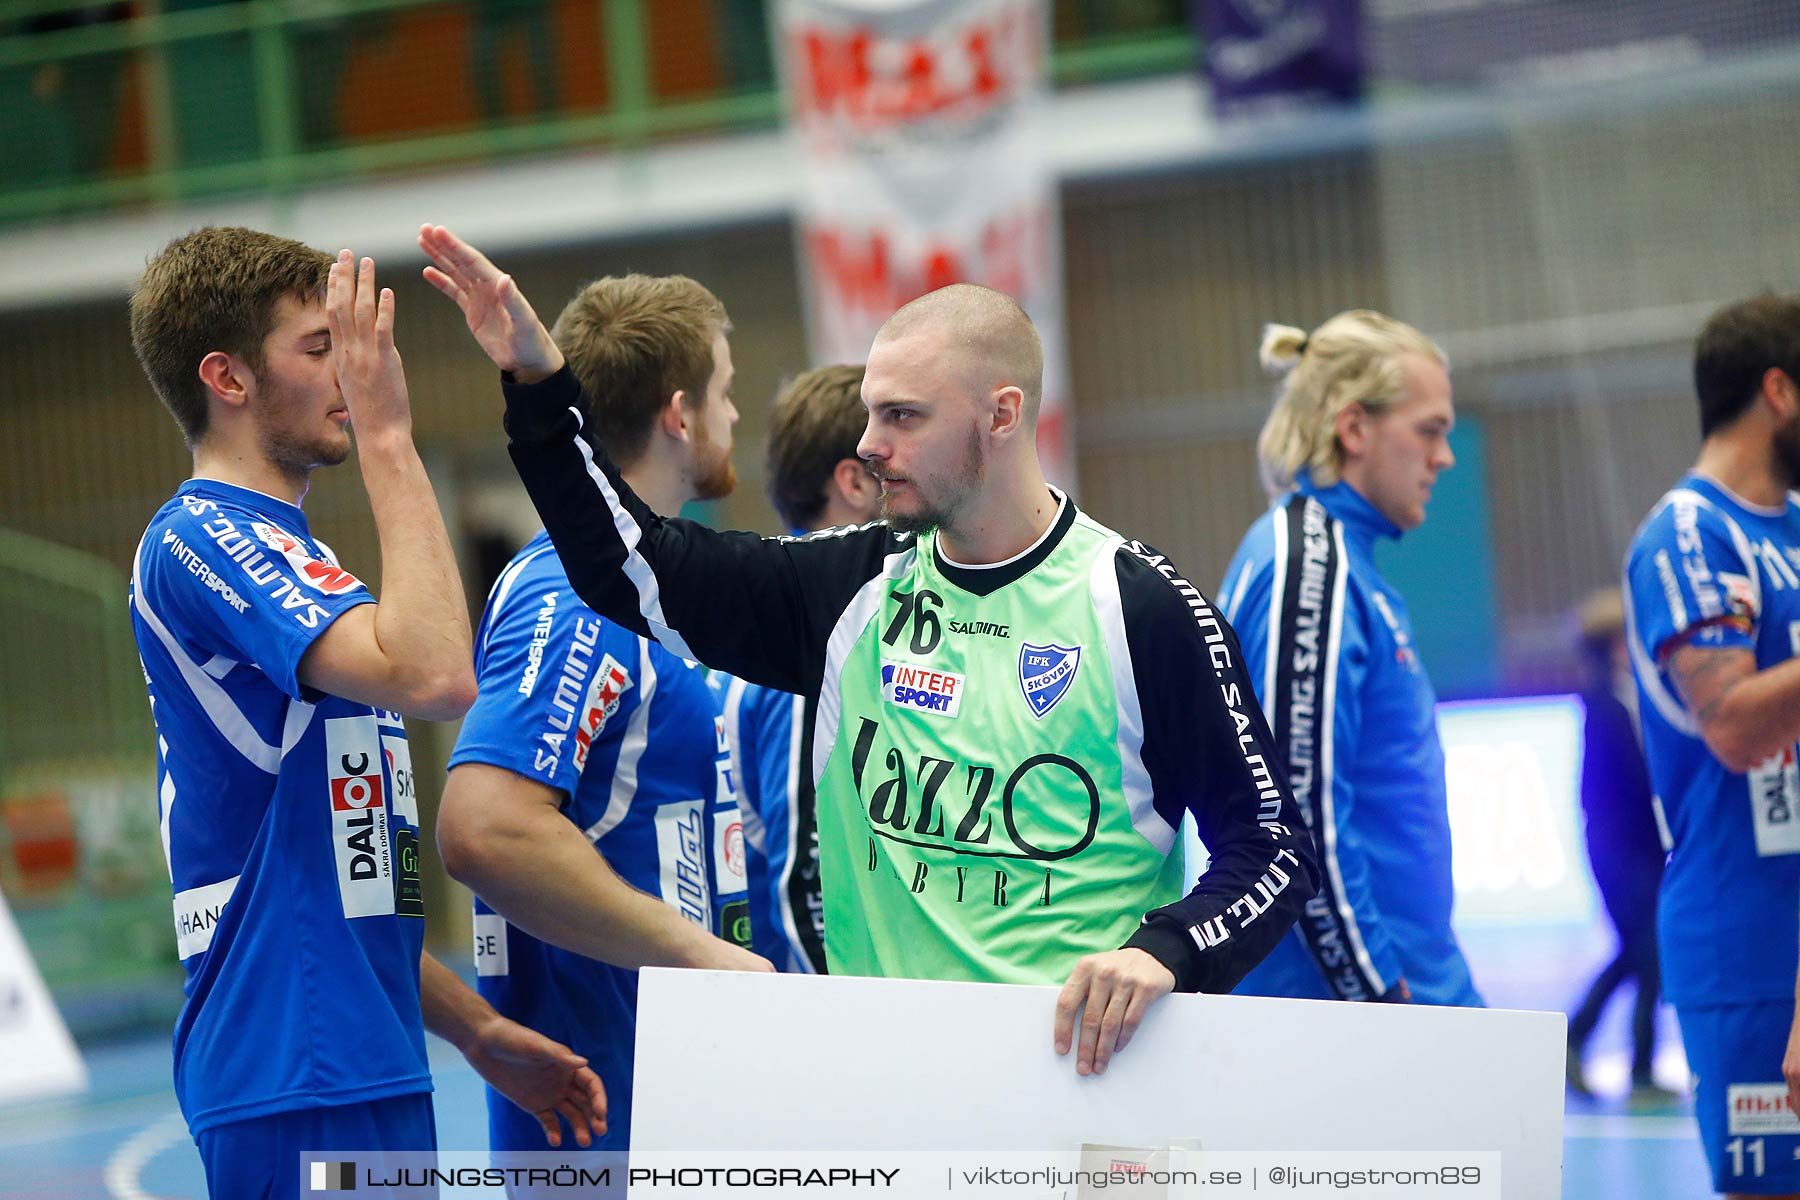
921 689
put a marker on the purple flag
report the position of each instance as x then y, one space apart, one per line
1277 53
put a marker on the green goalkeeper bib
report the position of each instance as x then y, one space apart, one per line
982 810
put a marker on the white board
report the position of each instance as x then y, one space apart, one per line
37 1055
788 1062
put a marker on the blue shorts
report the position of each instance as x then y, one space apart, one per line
260 1159
1751 1134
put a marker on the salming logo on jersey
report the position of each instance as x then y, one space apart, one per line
1223 663
263 572
1693 560
1309 589
567 704
359 818
978 628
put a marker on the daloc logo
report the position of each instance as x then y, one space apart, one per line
1045 673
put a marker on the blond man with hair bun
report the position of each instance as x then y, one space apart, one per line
1357 438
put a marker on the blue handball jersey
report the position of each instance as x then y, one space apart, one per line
633 737
1355 716
772 762
1710 569
289 820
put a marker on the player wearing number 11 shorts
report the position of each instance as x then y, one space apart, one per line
1713 578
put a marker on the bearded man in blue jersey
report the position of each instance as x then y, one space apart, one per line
591 804
277 682
1713 583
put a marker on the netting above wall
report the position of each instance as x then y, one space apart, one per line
1564 246
1529 42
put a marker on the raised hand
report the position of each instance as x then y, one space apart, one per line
498 314
369 371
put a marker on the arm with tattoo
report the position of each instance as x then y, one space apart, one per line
1745 715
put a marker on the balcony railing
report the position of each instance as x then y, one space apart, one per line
103 106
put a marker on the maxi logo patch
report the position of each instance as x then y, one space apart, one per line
326 577
1045 673
604 695
922 689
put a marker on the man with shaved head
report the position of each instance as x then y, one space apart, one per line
1014 705
968 341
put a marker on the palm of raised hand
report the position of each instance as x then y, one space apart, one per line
502 320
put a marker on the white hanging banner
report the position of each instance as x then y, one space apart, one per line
37 1055
919 123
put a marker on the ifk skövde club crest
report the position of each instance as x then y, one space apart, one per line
1045 673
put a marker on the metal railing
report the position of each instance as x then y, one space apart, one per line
81 860
157 65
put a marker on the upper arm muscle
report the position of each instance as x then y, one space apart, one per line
348 660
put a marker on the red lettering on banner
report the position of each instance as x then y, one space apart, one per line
857 277
857 271
837 70
858 76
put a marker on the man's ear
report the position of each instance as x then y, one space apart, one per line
855 486
1781 393
1008 413
672 417
1352 428
226 378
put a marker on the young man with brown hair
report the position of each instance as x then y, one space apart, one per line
815 479
277 682
591 806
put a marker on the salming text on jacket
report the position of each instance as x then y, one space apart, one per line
1331 652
